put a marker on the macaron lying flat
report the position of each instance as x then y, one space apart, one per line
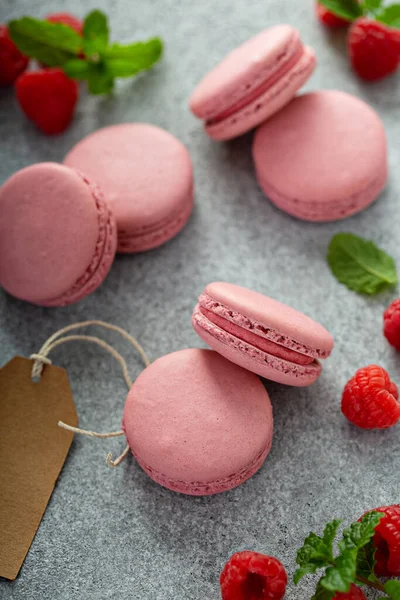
147 176
328 159
261 334
253 82
57 235
198 424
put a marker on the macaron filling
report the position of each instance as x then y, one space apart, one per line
257 341
286 62
258 334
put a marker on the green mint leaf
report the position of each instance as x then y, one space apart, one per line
321 593
366 562
347 9
360 264
50 43
77 68
142 55
372 5
306 570
120 67
100 81
125 61
343 574
359 534
392 588
390 16
316 551
330 532
95 33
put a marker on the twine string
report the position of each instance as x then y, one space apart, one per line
40 359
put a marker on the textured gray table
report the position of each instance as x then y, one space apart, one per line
116 534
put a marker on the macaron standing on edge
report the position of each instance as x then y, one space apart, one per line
147 175
261 334
57 235
253 82
198 424
328 159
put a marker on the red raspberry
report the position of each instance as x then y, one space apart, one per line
48 98
387 542
355 593
252 576
370 399
12 61
374 49
66 19
391 324
328 18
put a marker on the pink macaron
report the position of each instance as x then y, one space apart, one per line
198 424
147 176
57 235
323 157
253 82
261 334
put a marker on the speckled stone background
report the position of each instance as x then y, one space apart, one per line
114 533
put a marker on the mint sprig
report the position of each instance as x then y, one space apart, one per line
353 9
360 264
50 43
95 33
355 563
89 58
316 552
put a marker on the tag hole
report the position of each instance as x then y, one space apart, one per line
36 379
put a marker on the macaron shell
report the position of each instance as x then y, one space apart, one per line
280 93
49 232
283 320
257 361
207 489
103 257
147 176
328 159
198 422
243 69
162 233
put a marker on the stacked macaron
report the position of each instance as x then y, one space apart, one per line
328 159
125 188
200 422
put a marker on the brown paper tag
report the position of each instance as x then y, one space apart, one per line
32 452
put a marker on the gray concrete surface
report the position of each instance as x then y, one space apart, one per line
116 534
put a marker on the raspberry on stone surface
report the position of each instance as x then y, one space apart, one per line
387 542
370 399
355 593
374 49
253 576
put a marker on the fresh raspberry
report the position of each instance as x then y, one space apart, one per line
66 19
370 399
12 61
391 324
328 18
374 49
252 576
355 593
48 98
387 542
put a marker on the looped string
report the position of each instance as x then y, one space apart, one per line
41 358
